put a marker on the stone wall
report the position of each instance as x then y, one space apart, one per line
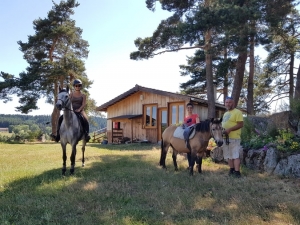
265 160
273 162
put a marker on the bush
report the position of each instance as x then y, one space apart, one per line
255 138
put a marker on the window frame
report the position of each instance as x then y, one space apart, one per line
177 104
151 115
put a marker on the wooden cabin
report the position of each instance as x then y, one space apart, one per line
141 114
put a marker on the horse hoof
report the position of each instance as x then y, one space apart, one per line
83 165
63 171
71 171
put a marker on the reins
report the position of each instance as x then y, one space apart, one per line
227 139
64 104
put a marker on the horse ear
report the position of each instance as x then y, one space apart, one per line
212 120
68 88
221 119
59 88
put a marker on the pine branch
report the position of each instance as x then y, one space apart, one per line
175 50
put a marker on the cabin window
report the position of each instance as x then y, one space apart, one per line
150 116
177 113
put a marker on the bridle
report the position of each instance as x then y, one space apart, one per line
64 104
211 131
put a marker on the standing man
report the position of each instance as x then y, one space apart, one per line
232 123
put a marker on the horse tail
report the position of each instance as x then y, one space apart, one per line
161 151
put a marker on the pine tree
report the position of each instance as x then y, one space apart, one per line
55 55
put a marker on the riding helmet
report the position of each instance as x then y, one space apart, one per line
77 81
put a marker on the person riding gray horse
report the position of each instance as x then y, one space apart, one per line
78 100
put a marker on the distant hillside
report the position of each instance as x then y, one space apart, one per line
44 121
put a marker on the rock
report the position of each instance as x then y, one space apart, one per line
217 154
281 168
271 160
289 167
255 159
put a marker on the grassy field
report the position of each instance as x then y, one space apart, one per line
123 184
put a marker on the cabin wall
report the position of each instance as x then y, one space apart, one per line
133 105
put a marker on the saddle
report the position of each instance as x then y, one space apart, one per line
185 133
80 118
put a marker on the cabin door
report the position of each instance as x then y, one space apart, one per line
162 121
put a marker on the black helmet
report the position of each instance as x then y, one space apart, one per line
77 81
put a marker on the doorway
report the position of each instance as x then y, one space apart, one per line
162 121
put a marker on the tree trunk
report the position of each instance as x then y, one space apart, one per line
250 108
55 113
239 76
225 83
209 77
297 88
291 72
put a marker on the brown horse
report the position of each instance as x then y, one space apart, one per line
198 144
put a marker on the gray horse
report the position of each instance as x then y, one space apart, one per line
71 130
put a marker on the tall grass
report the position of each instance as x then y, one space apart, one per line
123 184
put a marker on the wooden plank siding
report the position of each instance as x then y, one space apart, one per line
133 105
127 109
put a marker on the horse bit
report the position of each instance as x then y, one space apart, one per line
64 104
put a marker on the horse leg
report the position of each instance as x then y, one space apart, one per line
163 155
72 158
83 150
174 156
64 157
199 162
193 160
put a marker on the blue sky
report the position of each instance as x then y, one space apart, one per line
110 27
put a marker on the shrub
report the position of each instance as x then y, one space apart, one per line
283 139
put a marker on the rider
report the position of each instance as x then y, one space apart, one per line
190 119
78 100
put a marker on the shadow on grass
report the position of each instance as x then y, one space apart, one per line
128 147
130 189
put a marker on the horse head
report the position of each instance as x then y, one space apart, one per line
63 100
216 130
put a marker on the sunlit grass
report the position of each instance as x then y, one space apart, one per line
123 184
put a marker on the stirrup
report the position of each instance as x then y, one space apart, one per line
55 137
87 138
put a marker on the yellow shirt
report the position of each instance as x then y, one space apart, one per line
230 119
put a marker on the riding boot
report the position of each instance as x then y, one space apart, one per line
87 130
57 137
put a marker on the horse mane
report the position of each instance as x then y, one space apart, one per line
204 126
63 90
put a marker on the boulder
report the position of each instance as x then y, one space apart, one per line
288 167
271 160
255 159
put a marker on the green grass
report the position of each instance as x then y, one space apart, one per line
123 184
